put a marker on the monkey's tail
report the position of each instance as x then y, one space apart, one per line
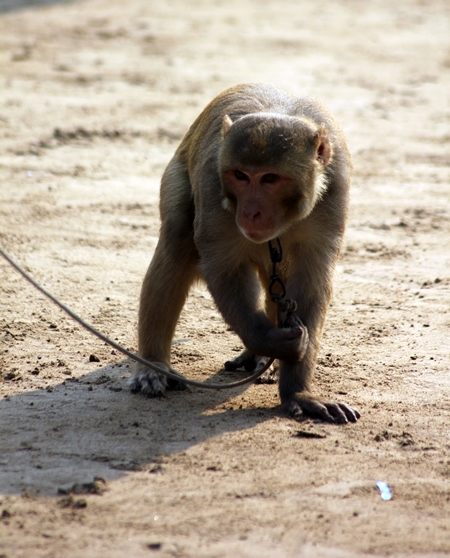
126 352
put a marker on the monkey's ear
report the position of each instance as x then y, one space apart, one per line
323 146
226 125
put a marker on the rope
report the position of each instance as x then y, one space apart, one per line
171 375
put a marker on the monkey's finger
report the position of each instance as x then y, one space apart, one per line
309 407
292 320
327 414
337 412
352 414
291 333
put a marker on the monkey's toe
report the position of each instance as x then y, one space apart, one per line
246 360
148 383
304 404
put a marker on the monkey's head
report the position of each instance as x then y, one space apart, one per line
272 169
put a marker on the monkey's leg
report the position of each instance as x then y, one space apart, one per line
166 285
247 359
163 294
295 377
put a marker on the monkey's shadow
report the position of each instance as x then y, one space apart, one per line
17 5
93 426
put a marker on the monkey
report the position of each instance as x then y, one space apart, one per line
257 164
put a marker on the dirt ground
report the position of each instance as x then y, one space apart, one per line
95 96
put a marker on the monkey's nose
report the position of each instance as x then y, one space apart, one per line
252 212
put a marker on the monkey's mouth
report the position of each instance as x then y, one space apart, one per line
258 236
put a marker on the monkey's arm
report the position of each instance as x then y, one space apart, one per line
311 289
237 294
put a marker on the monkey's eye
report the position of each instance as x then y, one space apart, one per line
270 178
239 175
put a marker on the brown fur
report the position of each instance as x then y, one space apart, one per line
207 216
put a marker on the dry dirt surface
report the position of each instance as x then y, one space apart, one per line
95 97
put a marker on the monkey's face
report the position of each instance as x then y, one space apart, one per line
263 200
272 172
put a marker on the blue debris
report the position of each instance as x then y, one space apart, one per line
385 490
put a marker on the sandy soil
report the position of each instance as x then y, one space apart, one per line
95 97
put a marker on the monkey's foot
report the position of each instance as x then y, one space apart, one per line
304 404
151 383
247 360
251 362
270 376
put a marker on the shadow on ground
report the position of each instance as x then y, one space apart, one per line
14 5
93 426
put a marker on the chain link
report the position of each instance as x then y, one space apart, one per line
283 304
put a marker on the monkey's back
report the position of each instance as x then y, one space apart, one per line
192 180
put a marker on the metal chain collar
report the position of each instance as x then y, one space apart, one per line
283 304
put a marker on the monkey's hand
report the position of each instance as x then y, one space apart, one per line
290 341
305 404
151 383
